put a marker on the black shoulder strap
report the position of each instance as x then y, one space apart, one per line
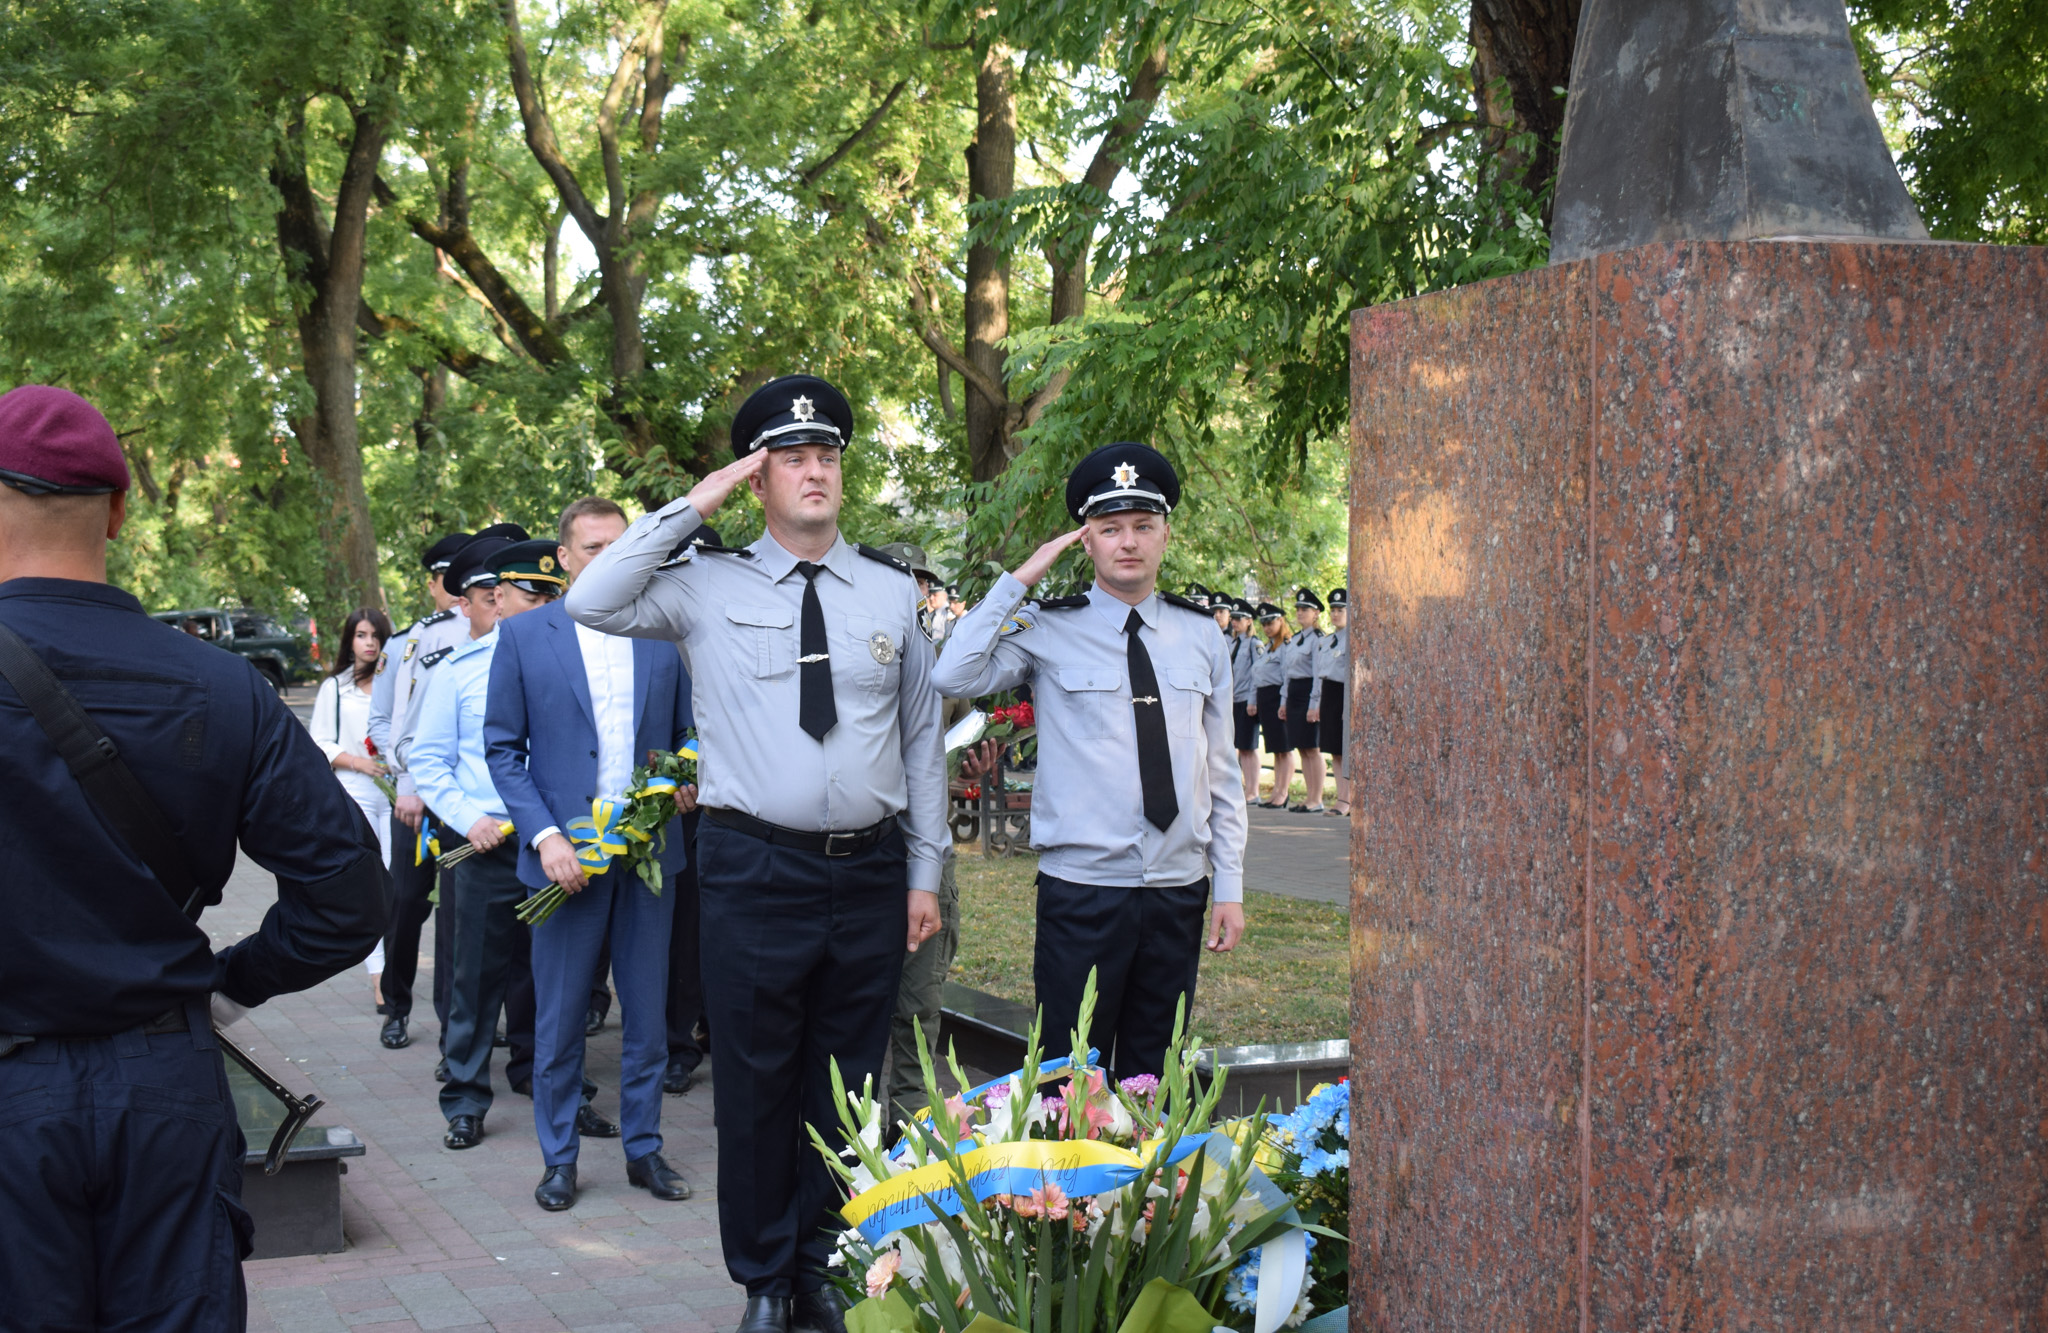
1060 603
1177 600
882 557
109 783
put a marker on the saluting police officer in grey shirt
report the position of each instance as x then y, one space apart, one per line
1138 808
823 784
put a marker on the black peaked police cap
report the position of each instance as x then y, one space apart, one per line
437 556
796 409
471 566
1122 476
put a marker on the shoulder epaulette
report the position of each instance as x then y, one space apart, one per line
883 557
431 658
437 617
1060 603
1184 604
687 548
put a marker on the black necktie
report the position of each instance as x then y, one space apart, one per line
1155 756
815 711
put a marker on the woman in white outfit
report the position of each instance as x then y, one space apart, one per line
341 728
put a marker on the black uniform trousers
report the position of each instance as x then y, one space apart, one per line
802 953
491 948
685 968
410 886
121 1185
1145 945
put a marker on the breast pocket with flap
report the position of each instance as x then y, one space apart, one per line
1187 689
763 639
1086 696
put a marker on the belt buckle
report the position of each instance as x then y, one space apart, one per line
833 839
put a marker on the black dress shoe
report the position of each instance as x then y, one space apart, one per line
817 1312
464 1131
591 1125
557 1188
524 1087
765 1314
677 1079
441 1070
383 1008
499 1041
655 1176
394 1036
593 1023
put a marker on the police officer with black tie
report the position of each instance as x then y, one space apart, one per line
120 1153
822 781
1138 810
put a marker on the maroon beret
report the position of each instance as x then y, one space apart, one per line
54 442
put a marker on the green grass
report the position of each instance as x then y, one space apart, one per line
1289 979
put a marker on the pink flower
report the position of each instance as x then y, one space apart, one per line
1052 1200
1031 1207
882 1272
1140 1085
957 1108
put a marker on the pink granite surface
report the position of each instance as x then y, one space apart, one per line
1700 928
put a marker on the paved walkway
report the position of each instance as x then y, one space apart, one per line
453 1240
1302 856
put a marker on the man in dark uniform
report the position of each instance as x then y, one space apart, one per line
121 1160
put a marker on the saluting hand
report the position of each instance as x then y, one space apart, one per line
1226 927
708 494
1041 561
924 917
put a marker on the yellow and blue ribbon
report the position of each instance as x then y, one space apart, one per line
1078 1166
425 843
602 836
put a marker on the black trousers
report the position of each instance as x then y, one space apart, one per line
121 1185
410 885
490 947
685 968
1145 945
802 953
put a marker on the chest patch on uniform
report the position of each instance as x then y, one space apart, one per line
383 660
410 646
882 646
431 658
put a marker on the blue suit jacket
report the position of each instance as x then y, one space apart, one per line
540 731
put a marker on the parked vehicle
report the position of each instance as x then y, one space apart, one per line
284 655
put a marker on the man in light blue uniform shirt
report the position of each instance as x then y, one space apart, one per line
1138 809
449 765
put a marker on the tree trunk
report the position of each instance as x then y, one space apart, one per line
1527 43
330 261
991 176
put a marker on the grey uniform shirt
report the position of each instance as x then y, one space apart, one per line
1333 659
1268 667
1087 808
1244 655
1298 658
737 619
401 685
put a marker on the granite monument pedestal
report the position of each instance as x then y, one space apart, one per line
1700 919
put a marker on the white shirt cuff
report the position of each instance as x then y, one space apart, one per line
542 836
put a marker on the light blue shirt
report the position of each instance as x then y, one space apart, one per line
447 759
1087 805
1244 655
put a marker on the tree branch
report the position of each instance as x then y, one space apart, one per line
540 130
921 306
470 365
536 337
810 175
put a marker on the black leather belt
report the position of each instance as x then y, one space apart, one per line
831 844
169 1021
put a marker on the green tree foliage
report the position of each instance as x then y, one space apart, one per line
1963 88
593 226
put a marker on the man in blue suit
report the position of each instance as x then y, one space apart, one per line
571 712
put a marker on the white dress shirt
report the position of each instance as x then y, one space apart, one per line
608 669
608 664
